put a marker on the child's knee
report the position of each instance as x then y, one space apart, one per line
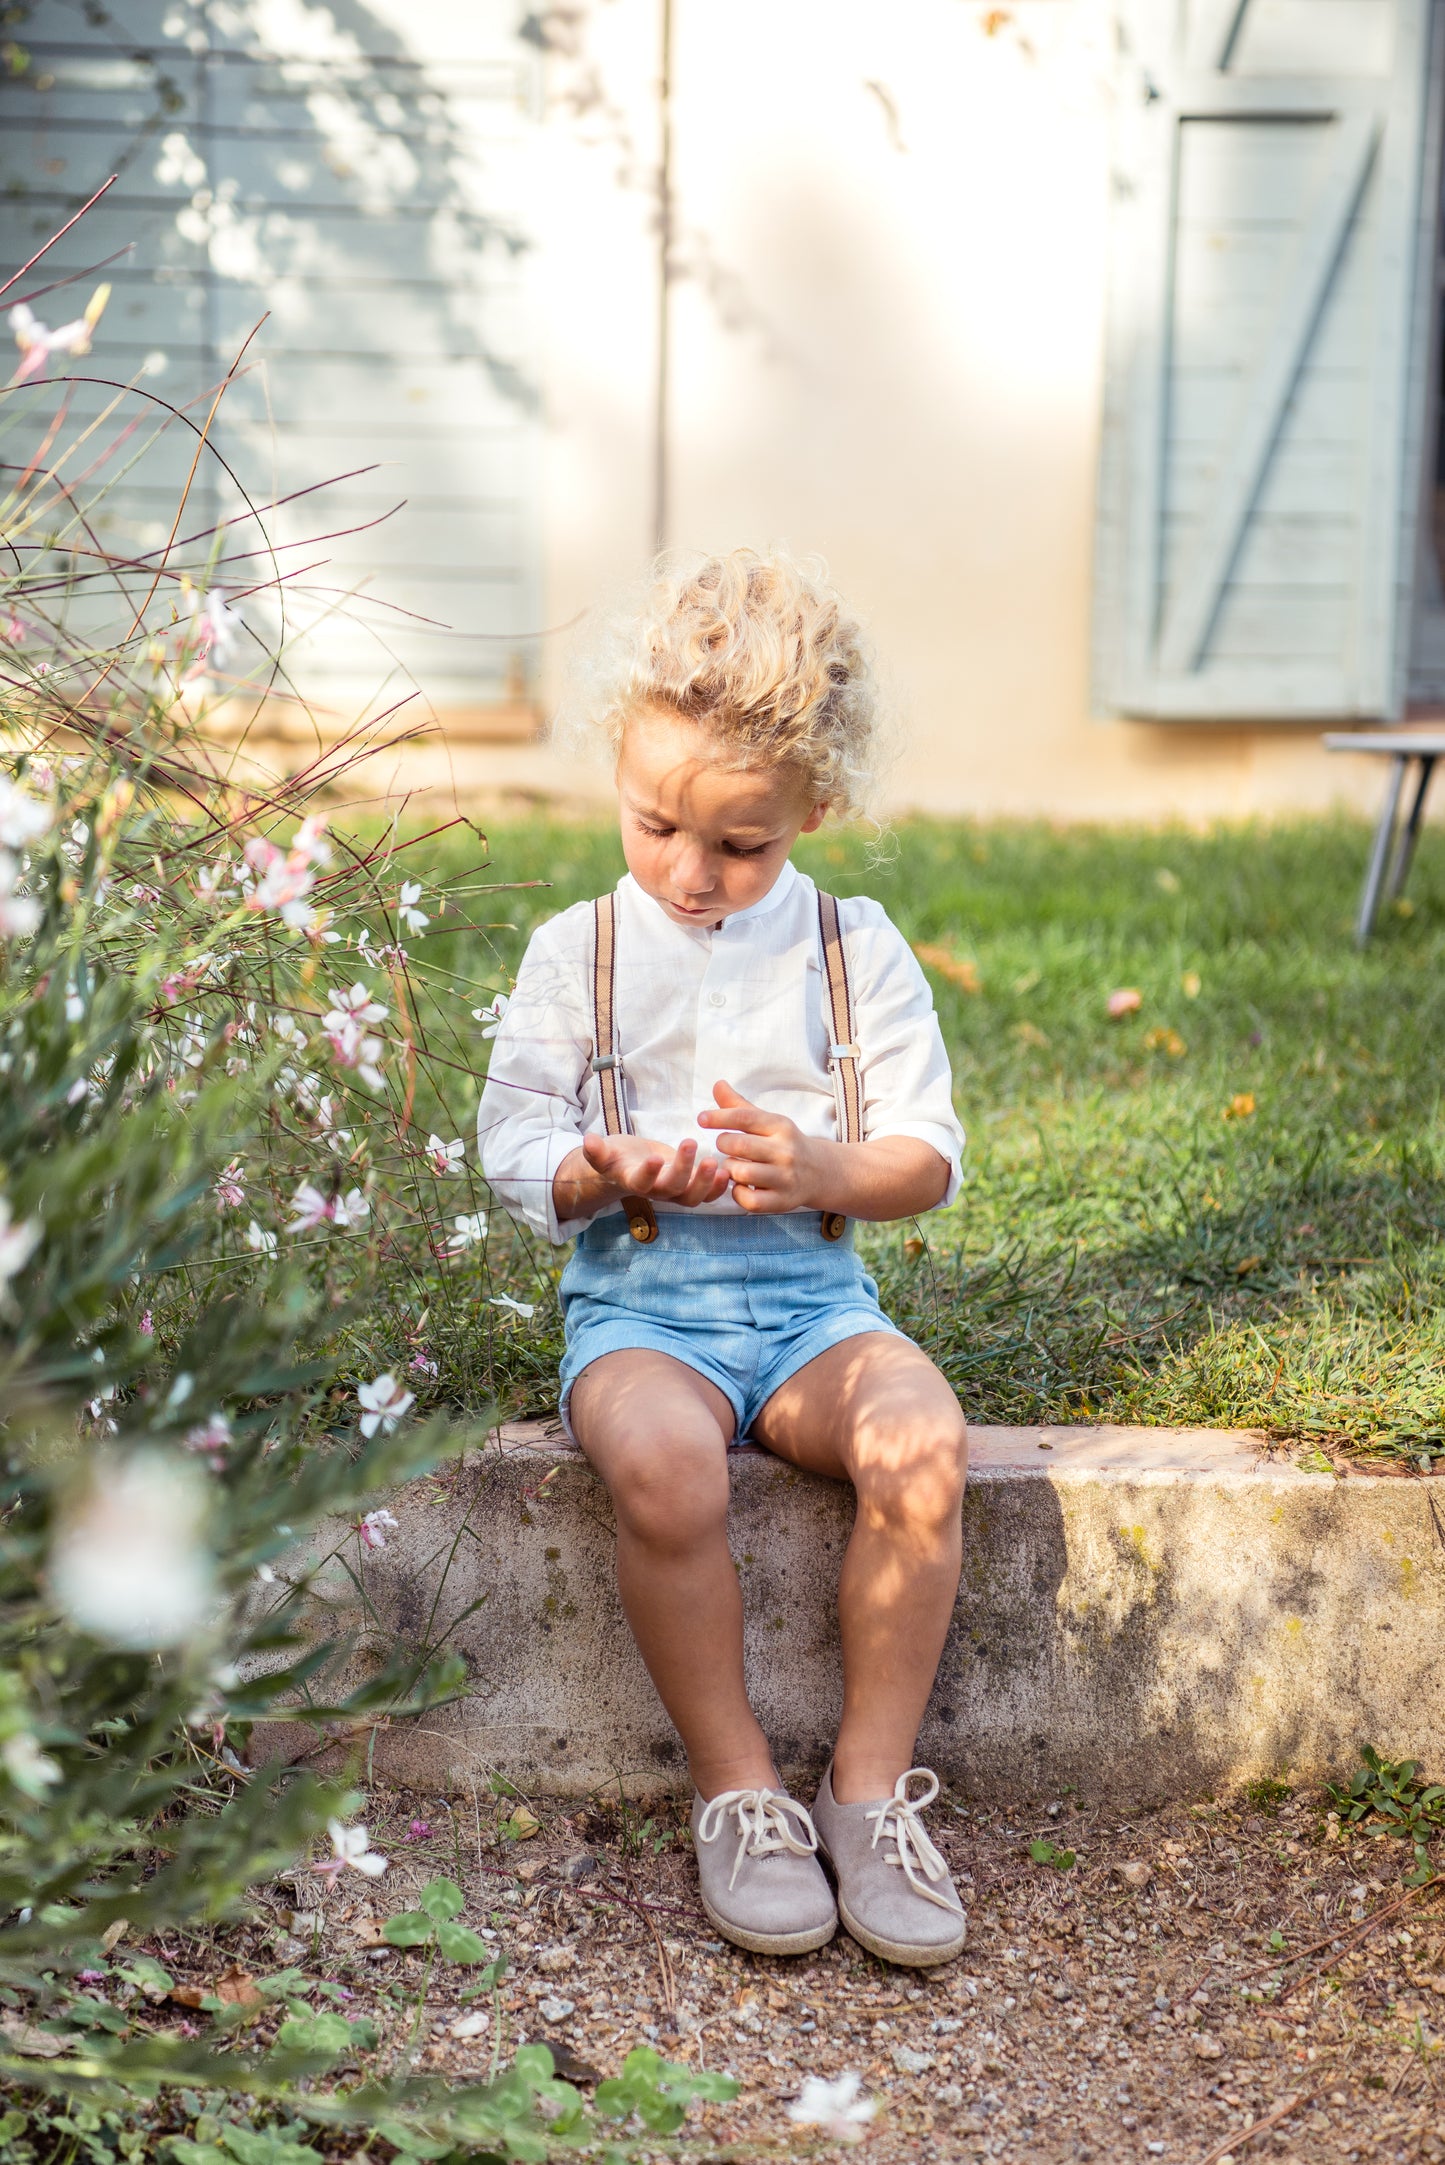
670 1491
915 1473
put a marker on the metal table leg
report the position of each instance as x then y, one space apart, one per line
1411 835
1380 854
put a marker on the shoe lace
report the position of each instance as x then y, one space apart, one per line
763 1826
897 1819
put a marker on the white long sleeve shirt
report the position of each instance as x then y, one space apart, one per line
745 1004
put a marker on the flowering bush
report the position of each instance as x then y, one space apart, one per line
241 1254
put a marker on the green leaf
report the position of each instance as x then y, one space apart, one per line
442 1898
260 2146
460 1945
410 1929
1047 1852
409 2140
326 2032
533 2064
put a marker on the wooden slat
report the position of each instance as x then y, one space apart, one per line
1196 594
1348 37
1212 30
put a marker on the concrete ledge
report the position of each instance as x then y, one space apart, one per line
1143 1612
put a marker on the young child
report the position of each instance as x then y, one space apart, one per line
703 1078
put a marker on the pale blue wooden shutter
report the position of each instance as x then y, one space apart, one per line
356 176
1260 433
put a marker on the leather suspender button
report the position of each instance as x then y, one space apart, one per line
834 1225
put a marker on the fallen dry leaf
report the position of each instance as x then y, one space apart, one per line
1190 984
1251 1262
1163 1040
524 1824
1029 1033
28 2040
1240 1106
1136 1873
958 969
114 1933
238 1988
913 1247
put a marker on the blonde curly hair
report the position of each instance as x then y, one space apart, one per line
758 650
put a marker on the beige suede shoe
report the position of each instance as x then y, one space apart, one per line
762 1884
894 1892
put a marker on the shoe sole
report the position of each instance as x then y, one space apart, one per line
906 1956
772 1943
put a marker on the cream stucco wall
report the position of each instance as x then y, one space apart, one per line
887 342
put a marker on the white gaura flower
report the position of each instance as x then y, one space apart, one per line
129 1562
352 1048
18 1242
23 818
469 1230
491 1017
210 1439
349 1846
445 1157
37 342
259 1240
375 1527
349 1210
19 914
218 628
356 1006
383 1403
230 1193
836 2107
410 918
213 880
289 1031
28 1767
518 1308
312 1208
309 841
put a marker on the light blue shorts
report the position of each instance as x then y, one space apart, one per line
745 1301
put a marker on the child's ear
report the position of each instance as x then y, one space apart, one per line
814 819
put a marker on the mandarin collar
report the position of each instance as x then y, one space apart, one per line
777 894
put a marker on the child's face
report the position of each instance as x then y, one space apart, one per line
701 838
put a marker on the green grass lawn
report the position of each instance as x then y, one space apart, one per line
1224 1208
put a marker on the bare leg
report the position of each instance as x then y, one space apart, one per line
875 1411
658 1433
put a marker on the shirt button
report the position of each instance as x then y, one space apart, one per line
717 999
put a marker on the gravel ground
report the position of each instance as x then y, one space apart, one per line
1126 2008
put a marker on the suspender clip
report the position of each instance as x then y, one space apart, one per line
845 1052
602 1061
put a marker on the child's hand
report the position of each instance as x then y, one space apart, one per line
772 1165
635 1166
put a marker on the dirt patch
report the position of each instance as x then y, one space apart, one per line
1155 1999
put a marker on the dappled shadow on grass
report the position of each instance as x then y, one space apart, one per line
1314 1309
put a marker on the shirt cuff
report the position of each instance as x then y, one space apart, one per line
944 1140
560 1144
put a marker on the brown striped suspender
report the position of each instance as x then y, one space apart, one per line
843 1053
607 1064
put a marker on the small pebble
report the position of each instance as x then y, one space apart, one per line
556 2010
